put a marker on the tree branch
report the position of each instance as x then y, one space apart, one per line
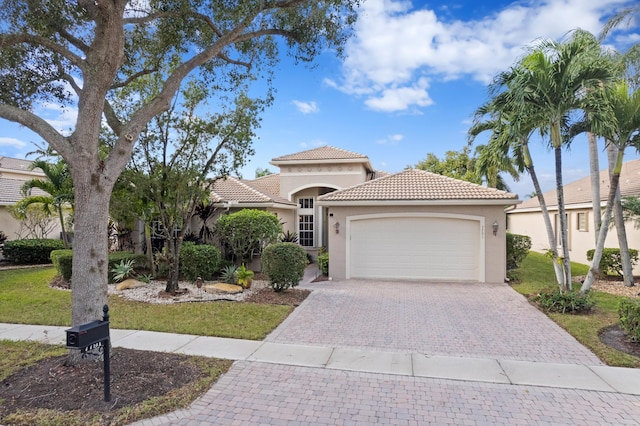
130 79
15 39
38 125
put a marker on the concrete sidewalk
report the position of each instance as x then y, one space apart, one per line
414 364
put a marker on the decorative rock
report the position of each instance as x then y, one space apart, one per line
129 283
223 288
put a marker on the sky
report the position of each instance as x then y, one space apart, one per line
411 78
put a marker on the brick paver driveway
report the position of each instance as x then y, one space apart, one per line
456 319
473 320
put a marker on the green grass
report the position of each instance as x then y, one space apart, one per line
26 298
536 273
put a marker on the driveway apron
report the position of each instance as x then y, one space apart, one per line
456 319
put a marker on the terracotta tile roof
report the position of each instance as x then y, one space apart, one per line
322 153
269 184
10 191
417 185
232 189
579 192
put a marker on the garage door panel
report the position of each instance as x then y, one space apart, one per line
415 248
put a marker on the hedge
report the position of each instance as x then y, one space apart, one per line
62 261
31 251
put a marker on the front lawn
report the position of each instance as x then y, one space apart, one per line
536 273
26 298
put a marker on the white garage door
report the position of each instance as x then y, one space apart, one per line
432 248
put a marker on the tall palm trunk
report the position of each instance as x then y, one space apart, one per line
545 214
618 219
606 219
562 218
594 164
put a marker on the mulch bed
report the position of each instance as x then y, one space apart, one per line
614 337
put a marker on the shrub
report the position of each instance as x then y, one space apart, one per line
62 260
629 314
323 262
611 262
284 264
518 247
248 231
31 251
572 302
123 270
199 261
289 237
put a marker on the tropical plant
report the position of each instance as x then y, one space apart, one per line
553 85
289 237
510 133
625 105
244 276
229 274
59 189
123 270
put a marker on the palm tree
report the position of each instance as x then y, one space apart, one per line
510 134
58 186
553 82
625 105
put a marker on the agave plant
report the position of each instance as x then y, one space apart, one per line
229 274
123 270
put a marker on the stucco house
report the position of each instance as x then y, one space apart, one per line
526 218
408 225
14 173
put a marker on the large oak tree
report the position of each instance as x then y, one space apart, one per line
84 53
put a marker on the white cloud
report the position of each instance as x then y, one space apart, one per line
306 107
396 45
401 98
391 139
12 142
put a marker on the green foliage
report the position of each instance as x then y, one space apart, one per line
199 261
564 302
229 274
289 237
62 260
3 237
323 262
248 231
123 270
244 276
139 262
611 262
629 314
31 251
518 247
284 264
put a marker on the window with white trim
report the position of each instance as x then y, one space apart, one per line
306 222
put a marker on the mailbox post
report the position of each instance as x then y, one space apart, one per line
88 336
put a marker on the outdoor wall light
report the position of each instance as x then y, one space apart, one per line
337 226
495 228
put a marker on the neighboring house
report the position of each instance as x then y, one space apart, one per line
526 218
14 173
408 225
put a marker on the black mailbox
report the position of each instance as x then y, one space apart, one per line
84 335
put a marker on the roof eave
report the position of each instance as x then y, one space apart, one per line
457 202
254 204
